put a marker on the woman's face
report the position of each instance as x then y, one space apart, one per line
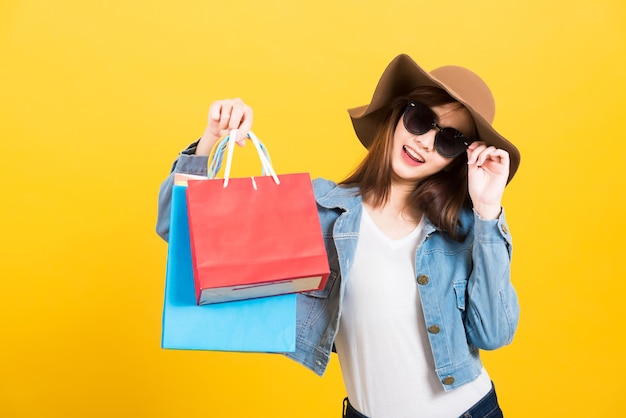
414 157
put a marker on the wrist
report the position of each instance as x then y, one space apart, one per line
206 143
488 212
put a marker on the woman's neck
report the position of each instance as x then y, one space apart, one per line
395 217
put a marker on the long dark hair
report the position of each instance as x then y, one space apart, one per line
441 196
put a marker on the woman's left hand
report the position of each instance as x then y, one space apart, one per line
488 172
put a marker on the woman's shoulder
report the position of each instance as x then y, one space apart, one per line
465 225
332 195
466 215
322 186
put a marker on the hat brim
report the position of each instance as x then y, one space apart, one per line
401 77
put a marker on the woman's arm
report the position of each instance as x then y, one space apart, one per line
493 309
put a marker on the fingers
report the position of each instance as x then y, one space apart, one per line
478 153
229 114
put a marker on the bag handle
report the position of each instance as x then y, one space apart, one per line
228 143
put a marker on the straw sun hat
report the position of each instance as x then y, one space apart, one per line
403 75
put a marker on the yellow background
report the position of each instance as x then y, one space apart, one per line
98 97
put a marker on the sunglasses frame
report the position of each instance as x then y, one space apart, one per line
458 135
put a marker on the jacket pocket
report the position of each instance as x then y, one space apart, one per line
323 293
460 288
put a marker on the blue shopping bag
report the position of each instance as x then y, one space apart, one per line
256 325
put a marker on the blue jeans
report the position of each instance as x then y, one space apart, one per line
487 407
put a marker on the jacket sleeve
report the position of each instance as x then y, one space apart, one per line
186 163
493 308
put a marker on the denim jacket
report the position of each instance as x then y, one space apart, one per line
468 300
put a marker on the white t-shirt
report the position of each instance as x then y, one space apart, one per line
386 359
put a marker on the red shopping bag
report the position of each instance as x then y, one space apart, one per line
256 236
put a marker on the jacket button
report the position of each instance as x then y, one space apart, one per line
505 229
423 279
448 380
434 329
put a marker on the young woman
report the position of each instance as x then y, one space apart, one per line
418 247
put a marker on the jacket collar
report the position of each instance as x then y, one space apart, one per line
339 197
348 198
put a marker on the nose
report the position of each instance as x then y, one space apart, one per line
427 140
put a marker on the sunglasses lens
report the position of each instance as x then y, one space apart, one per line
418 119
450 143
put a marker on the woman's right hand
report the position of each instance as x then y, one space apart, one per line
224 116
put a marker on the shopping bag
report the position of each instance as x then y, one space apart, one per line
256 236
259 325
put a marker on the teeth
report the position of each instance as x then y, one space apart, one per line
412 154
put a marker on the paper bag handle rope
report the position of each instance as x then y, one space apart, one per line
217 156
229 143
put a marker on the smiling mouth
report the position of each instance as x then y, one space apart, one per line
413 155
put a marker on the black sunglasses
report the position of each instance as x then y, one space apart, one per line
419 119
